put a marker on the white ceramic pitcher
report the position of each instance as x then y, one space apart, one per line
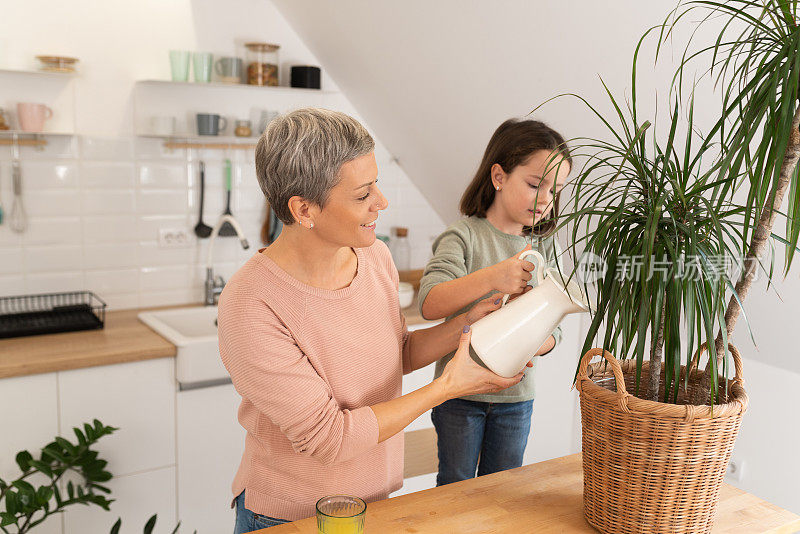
506 339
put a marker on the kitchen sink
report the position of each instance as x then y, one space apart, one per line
193 331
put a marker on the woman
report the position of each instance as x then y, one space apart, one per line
311 332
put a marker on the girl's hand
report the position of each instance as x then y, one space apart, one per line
511 275
462 376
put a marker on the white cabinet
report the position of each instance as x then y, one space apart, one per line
210 446
412 382
29 420
136 498
138 398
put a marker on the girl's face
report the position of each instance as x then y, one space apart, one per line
526 194
348 218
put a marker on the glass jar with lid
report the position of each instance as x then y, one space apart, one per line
262 63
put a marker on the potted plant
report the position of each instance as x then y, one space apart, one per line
60 462
66 473
661 211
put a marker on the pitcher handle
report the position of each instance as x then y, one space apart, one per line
540 265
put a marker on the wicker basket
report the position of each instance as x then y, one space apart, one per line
649 466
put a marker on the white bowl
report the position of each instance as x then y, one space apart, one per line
406 291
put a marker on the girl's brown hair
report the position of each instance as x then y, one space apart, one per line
512 144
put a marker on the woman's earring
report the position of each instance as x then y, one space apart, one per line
497 187
310 226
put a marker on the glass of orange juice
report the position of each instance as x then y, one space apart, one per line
340 514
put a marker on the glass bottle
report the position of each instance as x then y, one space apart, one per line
401 249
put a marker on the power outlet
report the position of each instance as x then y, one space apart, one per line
173 238
735 470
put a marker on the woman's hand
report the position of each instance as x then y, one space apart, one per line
462 376
488 305
483 308
511 275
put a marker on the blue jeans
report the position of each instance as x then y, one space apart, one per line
247 521
492 433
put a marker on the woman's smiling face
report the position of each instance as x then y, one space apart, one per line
349 215
527 192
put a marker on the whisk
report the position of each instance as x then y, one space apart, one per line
17 217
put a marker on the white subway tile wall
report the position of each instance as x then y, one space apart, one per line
96 207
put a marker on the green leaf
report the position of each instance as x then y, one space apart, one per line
151 523
66 446
79 435
53 452
116 527
23 460
100 488
44 494
42 467
7 519
23 486
12 502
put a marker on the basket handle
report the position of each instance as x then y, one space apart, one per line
622 393
737 361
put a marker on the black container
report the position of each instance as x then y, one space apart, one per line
306 76
30 315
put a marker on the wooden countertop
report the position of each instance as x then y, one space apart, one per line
124 339
546 497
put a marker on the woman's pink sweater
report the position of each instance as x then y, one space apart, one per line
308 363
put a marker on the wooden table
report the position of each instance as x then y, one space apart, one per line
540 498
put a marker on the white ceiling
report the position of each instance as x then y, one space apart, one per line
435 78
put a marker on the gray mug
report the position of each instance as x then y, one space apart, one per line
210 124
229 69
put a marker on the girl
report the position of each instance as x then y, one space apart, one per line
511 204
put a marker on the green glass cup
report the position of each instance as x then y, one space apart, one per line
202 63
179 65
340 514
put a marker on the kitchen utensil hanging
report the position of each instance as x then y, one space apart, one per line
202 230
17 219
227 229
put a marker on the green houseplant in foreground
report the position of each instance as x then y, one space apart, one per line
27 505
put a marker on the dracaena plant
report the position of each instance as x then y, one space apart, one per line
643 204
657 208
755 63
643 195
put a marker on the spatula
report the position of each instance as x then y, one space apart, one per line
227 228
202 229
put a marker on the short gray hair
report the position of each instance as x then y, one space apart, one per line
301 153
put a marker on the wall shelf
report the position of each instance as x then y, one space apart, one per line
20 138
54 89
38 73
184 100
213 142
235 86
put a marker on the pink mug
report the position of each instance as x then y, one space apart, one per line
32 116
